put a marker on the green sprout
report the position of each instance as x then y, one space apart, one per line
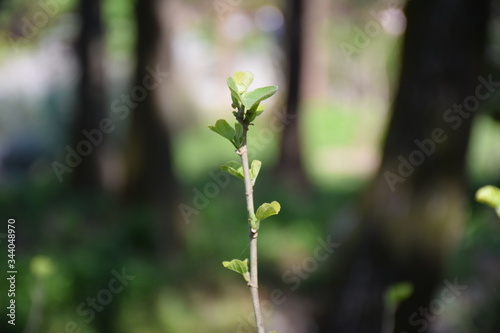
247 108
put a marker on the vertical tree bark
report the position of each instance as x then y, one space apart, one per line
149 166
150 180
290 165
413 211
91 93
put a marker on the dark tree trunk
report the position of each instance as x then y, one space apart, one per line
290 165
149 174
91 112
413 211
150 178
91 96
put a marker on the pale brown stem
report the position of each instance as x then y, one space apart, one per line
253 284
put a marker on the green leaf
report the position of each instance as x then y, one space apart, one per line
268 209
254 223
235 101
223 129
233 168
254 170
242 80
254 112
235 95
489 195
258 95
254 115
397 293
260 108
273 332
238 136
238 266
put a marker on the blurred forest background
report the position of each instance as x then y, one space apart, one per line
123 218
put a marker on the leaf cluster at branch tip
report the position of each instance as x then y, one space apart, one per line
247 106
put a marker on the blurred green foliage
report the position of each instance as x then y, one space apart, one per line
120 27
68 243
81 238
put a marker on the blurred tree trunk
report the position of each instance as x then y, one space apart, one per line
149 169
149 173
290 164
91 96
413 211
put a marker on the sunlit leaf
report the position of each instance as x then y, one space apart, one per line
489 195
242 80
254 170
253 97
238 266
267 209
233 168
223 129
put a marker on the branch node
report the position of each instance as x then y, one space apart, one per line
242 150
251 285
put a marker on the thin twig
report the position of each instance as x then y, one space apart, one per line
254 281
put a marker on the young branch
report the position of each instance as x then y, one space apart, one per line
247 107
254 281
